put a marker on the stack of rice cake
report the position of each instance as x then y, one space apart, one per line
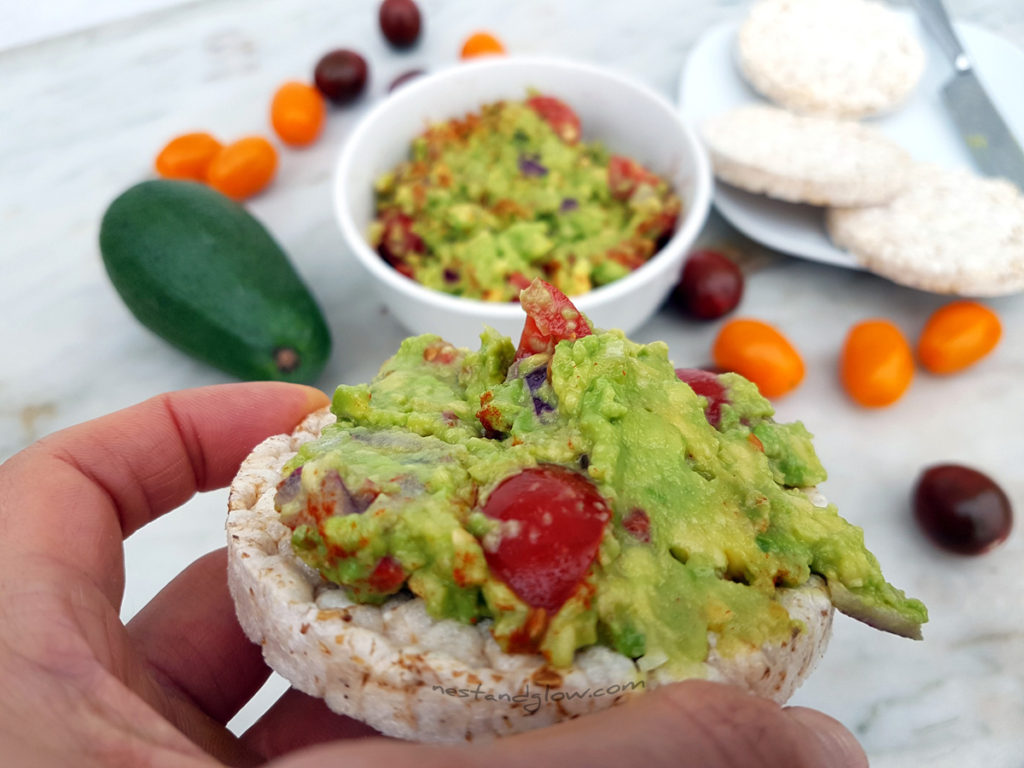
826 64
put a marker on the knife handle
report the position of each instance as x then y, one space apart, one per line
935 19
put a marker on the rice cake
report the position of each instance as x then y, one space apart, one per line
843 58
949 231
803 159
402 671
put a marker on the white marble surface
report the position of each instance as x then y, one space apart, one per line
27 23
83 115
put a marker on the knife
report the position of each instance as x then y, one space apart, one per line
988 139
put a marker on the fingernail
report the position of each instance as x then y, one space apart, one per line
315 399
840 748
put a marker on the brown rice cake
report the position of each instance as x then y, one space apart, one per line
844 58
404 673
949 231
802 159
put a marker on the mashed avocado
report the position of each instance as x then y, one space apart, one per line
706 523
492 201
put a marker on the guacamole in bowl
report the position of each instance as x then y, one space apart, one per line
489 202
626 116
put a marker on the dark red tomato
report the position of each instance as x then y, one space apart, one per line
707 385
711 285
660 226
632 253
550 318
625 175
638 524
555 519
400 22
962 509
558 115
387 576
404 78
520 281
398 240
341 75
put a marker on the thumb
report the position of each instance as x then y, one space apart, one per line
833 737
694 723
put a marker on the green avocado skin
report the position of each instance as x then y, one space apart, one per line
198 270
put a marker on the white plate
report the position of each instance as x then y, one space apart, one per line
711 83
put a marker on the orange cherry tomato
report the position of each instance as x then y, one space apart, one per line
876 365
297 113
759 352
481 44
244 168
187 156
957 336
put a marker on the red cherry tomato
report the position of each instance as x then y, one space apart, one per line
707 385
400 22
520 281
404 78
710 286
625 175
387 576
554 519
558 115
550 318
638 525
398 241
341 75
962 509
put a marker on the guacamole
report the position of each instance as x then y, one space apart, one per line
490 202
573 492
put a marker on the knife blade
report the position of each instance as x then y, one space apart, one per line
992 146
994 149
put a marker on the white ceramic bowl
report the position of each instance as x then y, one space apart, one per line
629 118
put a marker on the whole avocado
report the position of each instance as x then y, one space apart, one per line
198 270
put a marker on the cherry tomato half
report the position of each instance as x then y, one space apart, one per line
398 241
387 576
707 385
559 115
557 519
550 318
625 175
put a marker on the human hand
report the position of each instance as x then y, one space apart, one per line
80 688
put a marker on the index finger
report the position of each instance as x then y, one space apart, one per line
76 494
